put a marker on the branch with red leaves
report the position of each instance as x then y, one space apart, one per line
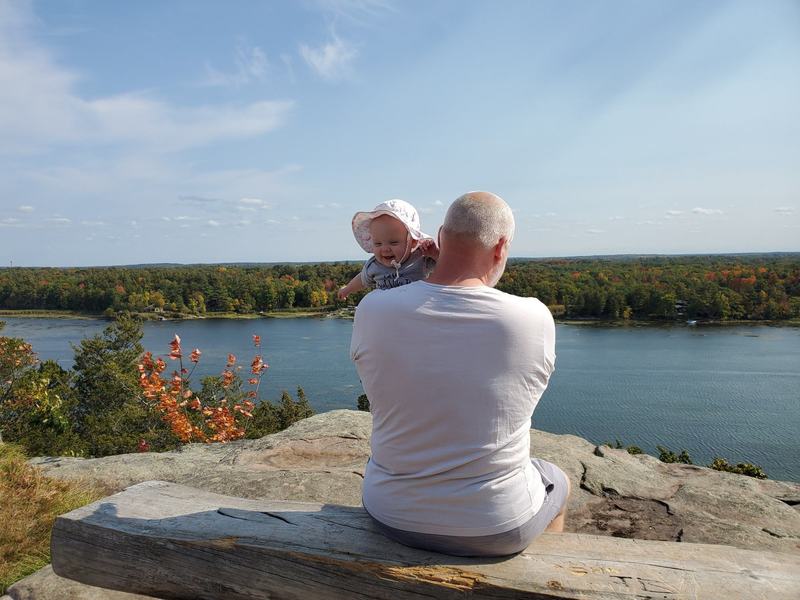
190 419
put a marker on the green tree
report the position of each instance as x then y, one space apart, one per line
109 414
16 360
264 421
34 402
290 411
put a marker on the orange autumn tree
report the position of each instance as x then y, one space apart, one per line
195 417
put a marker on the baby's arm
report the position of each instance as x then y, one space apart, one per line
429 248
356 285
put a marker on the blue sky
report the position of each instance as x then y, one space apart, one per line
136 132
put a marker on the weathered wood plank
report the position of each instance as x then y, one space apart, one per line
171 541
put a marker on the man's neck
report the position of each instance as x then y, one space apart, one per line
469 282
465 264
461 275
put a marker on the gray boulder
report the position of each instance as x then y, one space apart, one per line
322 458
46 585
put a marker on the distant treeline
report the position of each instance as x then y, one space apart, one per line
695 287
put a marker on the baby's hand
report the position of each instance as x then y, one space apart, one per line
429 248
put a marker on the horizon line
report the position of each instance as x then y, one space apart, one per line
627 255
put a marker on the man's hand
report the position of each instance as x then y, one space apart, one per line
342 293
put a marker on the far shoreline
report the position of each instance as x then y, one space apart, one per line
348 312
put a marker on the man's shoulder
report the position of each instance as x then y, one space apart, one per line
524 302
524 310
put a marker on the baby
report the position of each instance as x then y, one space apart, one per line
401 252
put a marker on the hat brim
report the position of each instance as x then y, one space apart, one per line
361 221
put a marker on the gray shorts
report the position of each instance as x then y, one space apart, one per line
498 544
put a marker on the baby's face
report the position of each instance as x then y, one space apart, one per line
390 239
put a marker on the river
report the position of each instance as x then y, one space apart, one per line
729 391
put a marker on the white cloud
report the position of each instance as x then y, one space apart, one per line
9 221
332 205
331 61
784 210
438 203
40 106
595 231
58 220
144 186
213 223
138 119
253 201
93 223
250 65
25 208
706 211
674 213
616 218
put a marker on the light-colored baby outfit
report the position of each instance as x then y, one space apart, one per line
416 267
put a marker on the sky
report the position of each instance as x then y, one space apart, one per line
251 131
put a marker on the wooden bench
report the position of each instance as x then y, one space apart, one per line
172 541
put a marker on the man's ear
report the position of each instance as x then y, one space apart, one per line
499 247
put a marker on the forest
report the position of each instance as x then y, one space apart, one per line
718 288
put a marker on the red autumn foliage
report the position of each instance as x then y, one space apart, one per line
189 418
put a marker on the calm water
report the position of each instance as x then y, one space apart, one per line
715 391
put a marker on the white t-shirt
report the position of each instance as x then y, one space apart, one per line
452 375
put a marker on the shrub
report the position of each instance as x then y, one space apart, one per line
618 445
751 470
668 456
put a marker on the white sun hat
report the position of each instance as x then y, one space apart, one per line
399 209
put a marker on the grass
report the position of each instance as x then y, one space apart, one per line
29 503
49 314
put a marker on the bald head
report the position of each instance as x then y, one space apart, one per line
480 216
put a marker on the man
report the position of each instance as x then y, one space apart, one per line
453 370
